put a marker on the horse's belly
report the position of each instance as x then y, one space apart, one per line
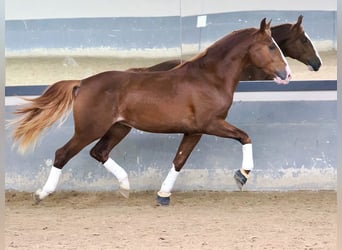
161 121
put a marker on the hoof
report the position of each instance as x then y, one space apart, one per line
36 197
240 179
238 184
124 187
124 192
163 201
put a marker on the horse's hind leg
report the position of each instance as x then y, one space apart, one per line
62 156
101 153
184 150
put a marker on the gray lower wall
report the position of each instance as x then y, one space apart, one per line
294 146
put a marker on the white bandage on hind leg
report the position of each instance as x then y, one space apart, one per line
51 183
118 172
165 190
247 160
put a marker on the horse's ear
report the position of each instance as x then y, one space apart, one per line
265 26
299 22
300 19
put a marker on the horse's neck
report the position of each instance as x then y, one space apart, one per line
223 69
233 71
224 61
232 63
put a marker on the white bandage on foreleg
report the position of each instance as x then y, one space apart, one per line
118 172
247 154
168 183
51 183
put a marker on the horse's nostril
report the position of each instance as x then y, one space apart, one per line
318 65
282 74
315 64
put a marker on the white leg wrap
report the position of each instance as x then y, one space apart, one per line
247 160
118 172
51 183
165 190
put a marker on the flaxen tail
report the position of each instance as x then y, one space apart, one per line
42 112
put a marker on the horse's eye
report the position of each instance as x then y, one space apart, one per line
272 46
304 39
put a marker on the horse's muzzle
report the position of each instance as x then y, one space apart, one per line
314 64
283 76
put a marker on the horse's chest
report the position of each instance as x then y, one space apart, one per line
216 106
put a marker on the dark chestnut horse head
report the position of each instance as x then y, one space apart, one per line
295 43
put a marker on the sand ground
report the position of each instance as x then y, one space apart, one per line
194 220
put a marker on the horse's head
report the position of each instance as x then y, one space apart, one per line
299 46
265 54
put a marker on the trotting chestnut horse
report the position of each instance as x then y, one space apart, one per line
292 40
192 99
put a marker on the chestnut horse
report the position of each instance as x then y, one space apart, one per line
192 99
292 40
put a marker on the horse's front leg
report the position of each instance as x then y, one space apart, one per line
184 150
224 129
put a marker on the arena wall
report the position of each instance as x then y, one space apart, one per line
293 130
173 27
